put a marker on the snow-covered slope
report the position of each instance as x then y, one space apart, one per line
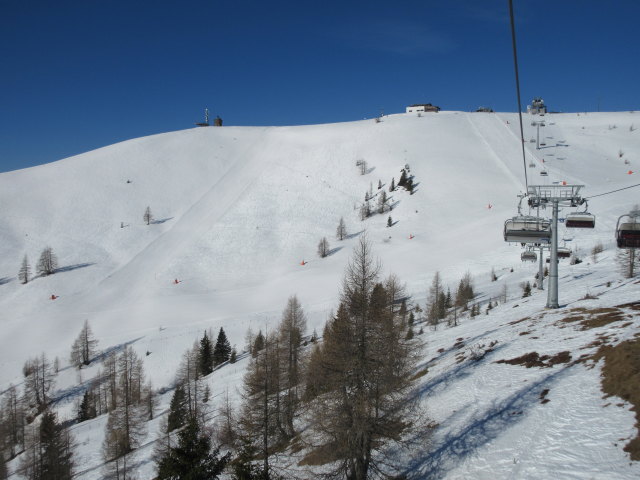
238 209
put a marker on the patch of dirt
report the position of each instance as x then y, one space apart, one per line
459 344
572 318
593 318
621 377
543 396
524 333
633 306
515 322
420 373
600 317
533 359
441 350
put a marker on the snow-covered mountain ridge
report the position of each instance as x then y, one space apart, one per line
238 209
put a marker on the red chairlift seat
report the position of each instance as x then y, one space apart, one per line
628 233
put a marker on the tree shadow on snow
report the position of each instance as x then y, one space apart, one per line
485 427
69 268
4 280
353 235
334 250
162 220
114 349
369 170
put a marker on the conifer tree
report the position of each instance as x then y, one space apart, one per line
205 355
222 350
126 422
47 263
437 298
55 451
192 458
258 344
39 380
323 247
392 187
24 274
87 409
291 330
403 179
177 409
84 347
364 368
341 231
233 358
148 216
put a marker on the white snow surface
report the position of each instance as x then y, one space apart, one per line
237 209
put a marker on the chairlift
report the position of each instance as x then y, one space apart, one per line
532 165
628 232
529 256
564 252
525 229
542 144
543 173
580 220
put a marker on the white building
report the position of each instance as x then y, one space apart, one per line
422 108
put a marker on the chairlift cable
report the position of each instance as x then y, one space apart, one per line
515 63
613 191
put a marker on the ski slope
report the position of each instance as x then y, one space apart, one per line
237 209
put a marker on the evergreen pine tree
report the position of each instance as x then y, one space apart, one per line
222 350
234 355
87 408
55 454
192 458
258 344
392 187
177 409
205 356
389 221
243 466
403 179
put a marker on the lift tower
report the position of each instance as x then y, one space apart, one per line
556 196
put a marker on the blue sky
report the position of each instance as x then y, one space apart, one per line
79 75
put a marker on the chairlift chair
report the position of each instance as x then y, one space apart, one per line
544 173
564 252
628 232
529 256
525 229
580 220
